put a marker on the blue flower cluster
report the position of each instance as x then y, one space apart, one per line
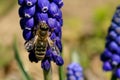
74 72
48 11
111 55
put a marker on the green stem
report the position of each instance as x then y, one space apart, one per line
113 77
61 72
17 57
47 74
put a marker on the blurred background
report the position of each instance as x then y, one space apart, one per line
85 27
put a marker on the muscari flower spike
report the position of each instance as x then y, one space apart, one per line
74 72
111 55
31 13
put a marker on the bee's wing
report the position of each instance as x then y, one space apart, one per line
53 46
57 50
29 45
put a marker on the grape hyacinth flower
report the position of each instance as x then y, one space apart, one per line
111 55
74 72
32 12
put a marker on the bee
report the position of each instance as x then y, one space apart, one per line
41 41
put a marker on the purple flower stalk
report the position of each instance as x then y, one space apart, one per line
32 12
111 55
74 72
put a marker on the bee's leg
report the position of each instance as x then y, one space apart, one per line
29 45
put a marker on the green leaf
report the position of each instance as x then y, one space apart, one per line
20 64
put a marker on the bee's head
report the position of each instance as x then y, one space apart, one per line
43 26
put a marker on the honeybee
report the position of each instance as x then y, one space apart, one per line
41 41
